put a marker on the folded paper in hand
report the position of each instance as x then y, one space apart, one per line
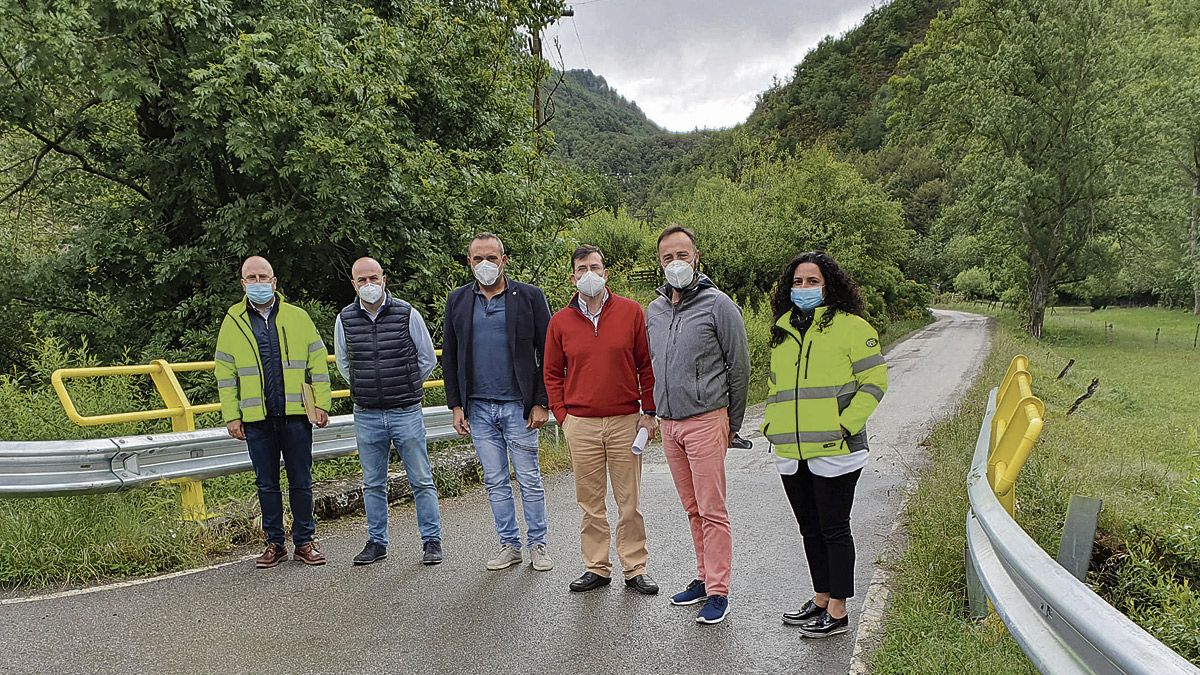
639 443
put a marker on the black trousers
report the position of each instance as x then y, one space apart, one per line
822 508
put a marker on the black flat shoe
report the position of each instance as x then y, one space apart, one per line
808 612
825 626
643 584
589 581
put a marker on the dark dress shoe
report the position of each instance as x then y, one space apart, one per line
589 581
808 612
643 584
824 626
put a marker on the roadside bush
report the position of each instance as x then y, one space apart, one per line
975 283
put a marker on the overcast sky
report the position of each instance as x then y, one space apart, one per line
696 63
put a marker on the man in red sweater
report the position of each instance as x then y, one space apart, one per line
601 391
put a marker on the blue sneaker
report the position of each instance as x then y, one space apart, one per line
715 610
691 595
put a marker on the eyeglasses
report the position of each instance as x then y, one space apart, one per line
257 278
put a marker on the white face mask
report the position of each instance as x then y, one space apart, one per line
487 272
370 293
591 284
679 274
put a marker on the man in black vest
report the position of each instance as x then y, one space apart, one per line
495 334
384 351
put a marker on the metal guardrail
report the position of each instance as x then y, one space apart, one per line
1060 624
57 468
177 407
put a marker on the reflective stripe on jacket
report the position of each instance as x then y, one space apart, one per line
239 368
823 386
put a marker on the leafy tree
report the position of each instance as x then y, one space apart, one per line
975 283
1032 91
749 228
312 132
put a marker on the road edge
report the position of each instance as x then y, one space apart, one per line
876 602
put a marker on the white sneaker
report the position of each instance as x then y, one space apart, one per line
540 559
508 556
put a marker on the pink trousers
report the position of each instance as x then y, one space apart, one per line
695 450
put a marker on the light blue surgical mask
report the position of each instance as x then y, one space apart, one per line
808 298
260 294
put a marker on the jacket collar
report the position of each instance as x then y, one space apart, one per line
573 303
702 281
243 308
785 321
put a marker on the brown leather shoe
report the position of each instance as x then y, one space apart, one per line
309 554
271 556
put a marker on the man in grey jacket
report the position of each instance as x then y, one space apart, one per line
702 370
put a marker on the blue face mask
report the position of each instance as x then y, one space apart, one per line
260 294
808 298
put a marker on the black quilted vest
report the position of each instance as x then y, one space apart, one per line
383 356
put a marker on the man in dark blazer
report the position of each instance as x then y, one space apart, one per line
494 337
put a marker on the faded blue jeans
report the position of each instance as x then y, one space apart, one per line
377 430
499 433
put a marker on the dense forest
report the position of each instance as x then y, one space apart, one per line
1038 151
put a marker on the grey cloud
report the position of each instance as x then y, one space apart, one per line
697 63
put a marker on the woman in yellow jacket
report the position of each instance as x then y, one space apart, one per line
827 377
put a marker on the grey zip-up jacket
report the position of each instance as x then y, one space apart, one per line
699 354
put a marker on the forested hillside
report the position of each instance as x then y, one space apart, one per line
837 92
1040 151
599 130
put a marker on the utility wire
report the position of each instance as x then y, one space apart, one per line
580 41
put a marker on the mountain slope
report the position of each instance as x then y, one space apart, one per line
599 130
838 91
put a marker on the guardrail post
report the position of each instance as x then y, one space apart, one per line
977 602
1079 534
183 418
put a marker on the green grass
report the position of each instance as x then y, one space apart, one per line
1134 445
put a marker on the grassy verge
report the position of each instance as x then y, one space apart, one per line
1134 445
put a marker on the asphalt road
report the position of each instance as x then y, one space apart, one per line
397 616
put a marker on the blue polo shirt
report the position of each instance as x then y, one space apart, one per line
492 375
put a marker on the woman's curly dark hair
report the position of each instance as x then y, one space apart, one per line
841 293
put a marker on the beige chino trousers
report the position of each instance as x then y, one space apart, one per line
600 452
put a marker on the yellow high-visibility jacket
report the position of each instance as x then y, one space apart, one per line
823 387
239 366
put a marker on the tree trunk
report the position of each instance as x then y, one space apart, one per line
1039 295
1194 233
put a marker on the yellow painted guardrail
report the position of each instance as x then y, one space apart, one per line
1016 426
176 407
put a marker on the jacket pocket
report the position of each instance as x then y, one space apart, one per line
857 442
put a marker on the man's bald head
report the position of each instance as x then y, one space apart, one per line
365 267
256 268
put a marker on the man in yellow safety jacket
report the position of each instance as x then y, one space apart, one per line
266 351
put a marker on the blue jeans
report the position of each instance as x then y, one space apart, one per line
290 438
499 433
377 430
